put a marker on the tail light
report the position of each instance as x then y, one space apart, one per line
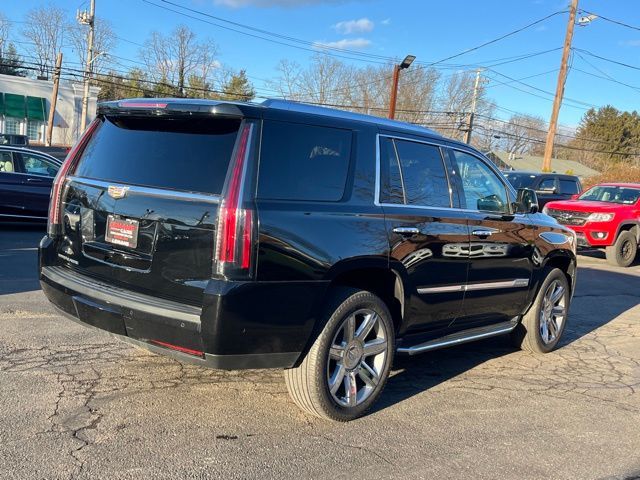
235 222
55 207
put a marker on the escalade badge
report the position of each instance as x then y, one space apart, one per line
116 192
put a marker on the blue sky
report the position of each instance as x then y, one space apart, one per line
428 29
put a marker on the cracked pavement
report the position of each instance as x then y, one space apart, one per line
76 403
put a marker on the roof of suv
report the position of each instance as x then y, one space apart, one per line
243 108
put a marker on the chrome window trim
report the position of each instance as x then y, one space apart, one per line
149 191
515 283
32 174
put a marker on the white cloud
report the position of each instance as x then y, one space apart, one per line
354 26
630 43
386 21
272 3
345 43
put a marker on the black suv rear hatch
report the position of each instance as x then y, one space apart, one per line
140 207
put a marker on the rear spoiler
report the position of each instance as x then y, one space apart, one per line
169 106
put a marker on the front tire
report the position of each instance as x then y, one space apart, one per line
542 326
347 366
623 252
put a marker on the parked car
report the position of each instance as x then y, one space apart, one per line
282 235
549 186
15 140
605 216
26 177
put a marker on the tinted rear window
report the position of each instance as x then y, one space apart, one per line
303 162
178 154
569 187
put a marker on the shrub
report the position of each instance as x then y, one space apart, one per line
615 173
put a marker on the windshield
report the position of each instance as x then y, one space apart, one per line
611 194
520 180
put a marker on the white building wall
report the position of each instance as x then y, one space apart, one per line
66 122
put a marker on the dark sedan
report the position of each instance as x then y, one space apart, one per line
26 177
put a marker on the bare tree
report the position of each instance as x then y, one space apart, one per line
5 27
176 57
44 28
523 133
104 41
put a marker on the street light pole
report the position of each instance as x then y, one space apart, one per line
90 20
562 78
408 60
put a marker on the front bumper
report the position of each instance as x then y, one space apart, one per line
590 235
241 324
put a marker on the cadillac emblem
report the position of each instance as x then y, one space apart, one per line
117 192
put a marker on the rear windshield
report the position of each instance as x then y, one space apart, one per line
520 180
189 154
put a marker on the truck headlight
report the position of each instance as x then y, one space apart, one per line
600 217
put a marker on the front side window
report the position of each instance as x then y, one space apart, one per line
481 188
36 165
303 162
413 173
569 187
547 185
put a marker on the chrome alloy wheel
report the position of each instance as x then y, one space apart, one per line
357 357
553 312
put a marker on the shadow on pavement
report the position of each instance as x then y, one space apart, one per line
414 375
19 256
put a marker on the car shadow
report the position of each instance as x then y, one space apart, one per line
19 256
416 374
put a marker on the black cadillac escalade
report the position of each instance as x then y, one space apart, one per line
282 235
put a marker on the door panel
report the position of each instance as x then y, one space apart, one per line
501 244
428 239
37 178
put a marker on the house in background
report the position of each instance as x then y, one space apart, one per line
25 105
533 163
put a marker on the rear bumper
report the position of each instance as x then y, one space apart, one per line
241 325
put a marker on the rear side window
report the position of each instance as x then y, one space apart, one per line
303 162
569 187
413 173
190 154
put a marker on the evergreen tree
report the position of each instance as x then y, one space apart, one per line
10 63
238 88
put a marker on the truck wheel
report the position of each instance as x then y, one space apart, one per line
623 252
542 326
348 364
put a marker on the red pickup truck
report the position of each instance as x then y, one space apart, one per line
605 216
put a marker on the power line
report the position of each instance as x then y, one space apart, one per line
610 60
617 22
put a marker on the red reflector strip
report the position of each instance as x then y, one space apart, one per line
246 239
142 104
197 353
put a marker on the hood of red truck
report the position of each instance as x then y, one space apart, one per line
584 206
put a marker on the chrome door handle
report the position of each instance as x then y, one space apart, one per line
406 230
34 180
482 233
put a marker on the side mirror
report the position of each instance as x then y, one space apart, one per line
575 196
527 201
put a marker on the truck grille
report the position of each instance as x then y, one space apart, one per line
569 217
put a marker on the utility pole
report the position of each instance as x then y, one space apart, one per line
54 99
472 114
87 19
562 78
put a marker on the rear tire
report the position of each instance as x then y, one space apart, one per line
347 366
542 326
624 251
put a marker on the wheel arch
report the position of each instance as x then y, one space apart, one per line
628 226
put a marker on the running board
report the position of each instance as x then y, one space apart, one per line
459 338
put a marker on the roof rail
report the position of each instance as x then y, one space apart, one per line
301 107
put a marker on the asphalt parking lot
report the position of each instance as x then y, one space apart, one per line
75 403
